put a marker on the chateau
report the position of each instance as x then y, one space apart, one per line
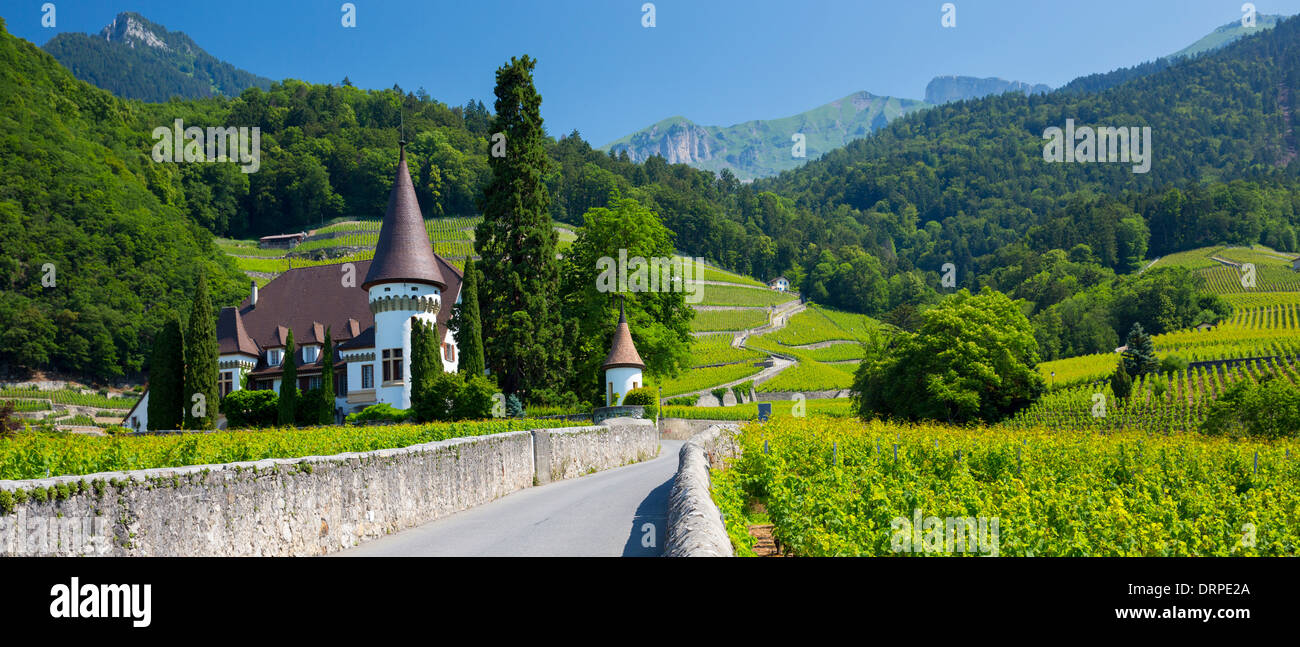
366 306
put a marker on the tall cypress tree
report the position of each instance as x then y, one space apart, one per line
288 383
167 377
327 381
1120 382
522 331
425 366
201 360
467 325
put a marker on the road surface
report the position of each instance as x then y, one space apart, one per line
600 515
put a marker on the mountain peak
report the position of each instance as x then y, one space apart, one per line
132 28
952 87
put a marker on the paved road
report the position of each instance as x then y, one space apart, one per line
599 515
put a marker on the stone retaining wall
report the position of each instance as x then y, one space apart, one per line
300 506
695 527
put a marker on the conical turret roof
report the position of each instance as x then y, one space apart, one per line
403 252
622 353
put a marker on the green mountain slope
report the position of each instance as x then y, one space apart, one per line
1226 35
91 261
764 147
137 59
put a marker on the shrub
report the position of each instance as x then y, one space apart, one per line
8 421
474 400
245 409
1266 409
742 390
1173 364
719 394
308 406
645 397
382 412
683 401
1120 382
514 407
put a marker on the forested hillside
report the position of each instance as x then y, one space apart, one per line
90 260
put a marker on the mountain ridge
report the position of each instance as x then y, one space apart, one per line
135 58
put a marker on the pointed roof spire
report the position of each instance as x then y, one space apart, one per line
403 252
622 352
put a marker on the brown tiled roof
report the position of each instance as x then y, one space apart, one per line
403 252
622 352
232 338
307 299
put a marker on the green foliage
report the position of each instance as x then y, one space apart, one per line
95 250
9 423
245 408
1121 384
683 401
1144 495
289 383
201 361
523 338
973 359
474 400
645 396
1269 408
308 406
466 323
514 407
1173 364
1140 356
29 455
325 416
427 403
660 321
382 412
167 377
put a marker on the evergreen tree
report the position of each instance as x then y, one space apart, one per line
522 332
327 381
1120 382
425 367
167 377
1140 357
289 383
467 325
201 361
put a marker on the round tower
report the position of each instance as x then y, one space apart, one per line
404 281
623 365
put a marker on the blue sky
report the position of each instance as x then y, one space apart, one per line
718 62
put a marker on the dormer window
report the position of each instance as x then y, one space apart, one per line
274 357
310 353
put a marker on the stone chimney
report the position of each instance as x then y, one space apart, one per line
252 298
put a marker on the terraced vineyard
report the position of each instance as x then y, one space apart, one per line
728 295
698 379
728 320
1263 326
836 487
1157 404
1273 271
842 331
709 350
831 407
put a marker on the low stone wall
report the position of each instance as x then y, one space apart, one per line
807 395
684 428
695 527
570 452
300 506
